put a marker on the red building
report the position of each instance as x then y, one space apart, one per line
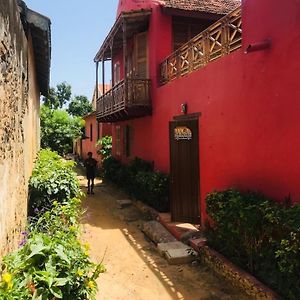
94 130
212 100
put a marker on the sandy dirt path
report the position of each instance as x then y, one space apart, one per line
134 268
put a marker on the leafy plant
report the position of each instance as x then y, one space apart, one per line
104 146
58 96
79 106
52 179
58 130
140 165
111 170
259 235
152 188
52 263
139 180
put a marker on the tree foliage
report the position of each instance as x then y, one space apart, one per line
59 96
104 146
79 106
59 129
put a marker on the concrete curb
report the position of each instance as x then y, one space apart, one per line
145 209
235 275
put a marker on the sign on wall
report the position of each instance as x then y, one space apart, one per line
182 133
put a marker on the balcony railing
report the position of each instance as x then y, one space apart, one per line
221 38
128 99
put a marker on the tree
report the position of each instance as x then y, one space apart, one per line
59 96
58 129
79 106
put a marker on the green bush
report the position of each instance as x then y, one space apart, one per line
258 235
104 146
53 178
140 165
59 129
152 188
52 263
111 170
139 180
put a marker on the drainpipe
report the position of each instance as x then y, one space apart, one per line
264 45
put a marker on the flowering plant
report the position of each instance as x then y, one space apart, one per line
51 263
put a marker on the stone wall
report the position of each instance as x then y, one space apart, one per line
17 117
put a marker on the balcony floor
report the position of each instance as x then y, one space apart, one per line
125 114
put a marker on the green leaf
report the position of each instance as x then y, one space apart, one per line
61 281
37 249
56 292
60 252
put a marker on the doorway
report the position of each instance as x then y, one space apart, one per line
184 167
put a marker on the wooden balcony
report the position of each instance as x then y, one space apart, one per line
221 38
128 99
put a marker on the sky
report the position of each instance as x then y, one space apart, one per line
78 29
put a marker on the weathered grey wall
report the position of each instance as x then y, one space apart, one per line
18 119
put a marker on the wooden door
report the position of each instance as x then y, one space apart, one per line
184 160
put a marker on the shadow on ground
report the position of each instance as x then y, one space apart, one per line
134 268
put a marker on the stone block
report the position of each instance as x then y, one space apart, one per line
191 234
124 203
157 232
197 243
164 247
179 256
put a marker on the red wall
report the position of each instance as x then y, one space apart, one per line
249 105
87 144
128 5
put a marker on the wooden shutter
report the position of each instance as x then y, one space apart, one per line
117 76
127 141
181 34
185 29
141 55
91 132
118 140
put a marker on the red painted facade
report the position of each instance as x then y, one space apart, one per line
93 131
249 104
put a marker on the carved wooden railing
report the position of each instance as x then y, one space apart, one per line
221 38
138 92
128 93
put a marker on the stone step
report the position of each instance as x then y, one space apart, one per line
164 247
197 244
124 203
176 252
157 232
180 256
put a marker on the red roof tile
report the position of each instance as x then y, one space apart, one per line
209 6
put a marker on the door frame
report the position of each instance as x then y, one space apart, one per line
187 117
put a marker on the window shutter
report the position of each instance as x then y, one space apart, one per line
181 34
141 55
117 76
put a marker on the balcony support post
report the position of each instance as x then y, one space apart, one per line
112 64
97 79
125 58
112 70
103 76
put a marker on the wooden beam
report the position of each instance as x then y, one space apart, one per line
112 71
136 17
125 57
97 80
112 64
191 14
103 77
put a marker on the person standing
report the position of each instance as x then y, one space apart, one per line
91 165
